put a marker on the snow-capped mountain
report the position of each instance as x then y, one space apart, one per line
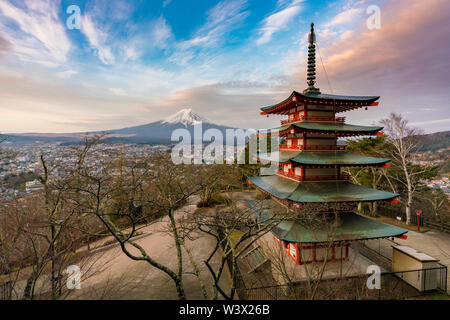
154 132
185 117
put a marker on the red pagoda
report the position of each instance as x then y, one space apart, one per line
309 178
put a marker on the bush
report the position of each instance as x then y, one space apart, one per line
262 196
214 200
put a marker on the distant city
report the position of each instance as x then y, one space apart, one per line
18 174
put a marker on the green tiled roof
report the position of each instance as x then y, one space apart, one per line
327 97
340 98
352 227
338 191
326 127
322 158
334 127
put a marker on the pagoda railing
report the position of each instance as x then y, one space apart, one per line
327 177
285 147
342 177
289 175
312 118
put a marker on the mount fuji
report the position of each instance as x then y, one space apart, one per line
158 132
161 131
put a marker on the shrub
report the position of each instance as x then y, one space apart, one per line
262 196
214 200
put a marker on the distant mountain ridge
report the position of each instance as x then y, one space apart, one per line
435 141
158 132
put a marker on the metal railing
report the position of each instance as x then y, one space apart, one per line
355 287
342 177
315 147
313 118
6 290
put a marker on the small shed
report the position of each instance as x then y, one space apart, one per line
423 272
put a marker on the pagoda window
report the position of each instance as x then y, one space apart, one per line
299 171
293 252
289 142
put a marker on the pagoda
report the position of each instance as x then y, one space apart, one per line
309 178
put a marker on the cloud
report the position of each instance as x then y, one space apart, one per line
438 121
5 45
277 22
107 11
236 103
97 39
118 91
100 23
405 61
161 32
44 104
67 74
347 16
156 34
221 19
41 35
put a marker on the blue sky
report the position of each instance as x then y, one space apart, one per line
134 62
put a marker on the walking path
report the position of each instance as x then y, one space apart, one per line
128 279
433 243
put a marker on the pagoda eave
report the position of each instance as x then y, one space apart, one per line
341 103
317 127
352 227
321 159
319 192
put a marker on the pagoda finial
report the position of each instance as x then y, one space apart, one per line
311 74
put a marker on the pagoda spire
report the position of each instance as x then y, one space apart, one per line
311 74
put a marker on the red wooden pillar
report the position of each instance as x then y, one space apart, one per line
297 254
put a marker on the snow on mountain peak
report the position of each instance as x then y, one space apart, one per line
186 117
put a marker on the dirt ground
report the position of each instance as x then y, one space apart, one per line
124 278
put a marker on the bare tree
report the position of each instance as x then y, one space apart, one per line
235 229
405 140
114 189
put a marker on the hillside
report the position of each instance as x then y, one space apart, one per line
439 141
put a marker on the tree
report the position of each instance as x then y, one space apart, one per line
438 202
370 177
110 191
234 229
405 140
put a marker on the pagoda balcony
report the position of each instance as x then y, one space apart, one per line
285 147
313 118
342 177
298 178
